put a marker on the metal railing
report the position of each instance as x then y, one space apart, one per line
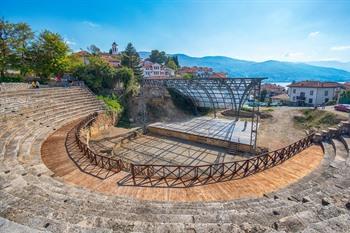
187 176
102 161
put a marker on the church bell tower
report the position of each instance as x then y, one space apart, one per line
114 48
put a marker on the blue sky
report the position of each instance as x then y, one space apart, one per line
253 30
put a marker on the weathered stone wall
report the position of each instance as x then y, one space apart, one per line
103 122
201 139
158 104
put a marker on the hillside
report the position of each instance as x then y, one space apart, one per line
276 71
332 64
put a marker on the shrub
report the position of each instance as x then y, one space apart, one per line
317 119
331 102
112 102
11 79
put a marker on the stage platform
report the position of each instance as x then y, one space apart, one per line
214 131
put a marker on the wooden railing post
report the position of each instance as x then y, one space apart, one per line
132 170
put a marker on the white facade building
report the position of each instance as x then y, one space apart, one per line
155 70
313 92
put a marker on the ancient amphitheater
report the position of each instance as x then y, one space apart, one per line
45 186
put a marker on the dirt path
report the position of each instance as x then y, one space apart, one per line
279 130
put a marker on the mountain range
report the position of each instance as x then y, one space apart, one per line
275 71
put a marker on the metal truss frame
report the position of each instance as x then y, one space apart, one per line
214 93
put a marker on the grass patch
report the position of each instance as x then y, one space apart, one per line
317 119
268 110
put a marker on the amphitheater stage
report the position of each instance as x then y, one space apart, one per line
212 131
86 175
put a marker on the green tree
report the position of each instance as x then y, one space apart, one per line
171 64
7 56
73 62
344 97
48 55
176 60
97 75
158 57
94 50
130 84
187 76
263 95
23 36
131 59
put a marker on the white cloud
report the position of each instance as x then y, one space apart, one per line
91 24
70 42
313 34
340 48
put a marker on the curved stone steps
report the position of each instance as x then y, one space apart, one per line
341 151
9 134
43 121
9 226
36 101
29 137
14 142
71 97
31 197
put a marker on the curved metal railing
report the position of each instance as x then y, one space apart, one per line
186 176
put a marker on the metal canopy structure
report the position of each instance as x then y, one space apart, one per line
216 93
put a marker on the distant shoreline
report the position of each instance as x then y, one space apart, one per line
285 84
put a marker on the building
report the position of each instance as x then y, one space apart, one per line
114 49
313 93
347 86
113 60
112 57
155 70
197 72
272 89
218 75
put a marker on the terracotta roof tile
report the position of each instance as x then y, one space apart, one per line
316 84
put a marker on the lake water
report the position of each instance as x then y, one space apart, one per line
285 84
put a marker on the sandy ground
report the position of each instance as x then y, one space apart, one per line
331 109
273 133
279 130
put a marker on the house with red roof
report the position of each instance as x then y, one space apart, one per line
273 89
313 93
155 70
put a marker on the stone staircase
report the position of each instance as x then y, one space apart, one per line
31 200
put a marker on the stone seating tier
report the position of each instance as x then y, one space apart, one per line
34 201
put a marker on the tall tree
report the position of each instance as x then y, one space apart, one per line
6 45
131 59
176 60
158 57
94 50
23 38
48 55
14 40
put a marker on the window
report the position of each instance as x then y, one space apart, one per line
326 100
294 91
310 101
325 93
293 98
311 92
